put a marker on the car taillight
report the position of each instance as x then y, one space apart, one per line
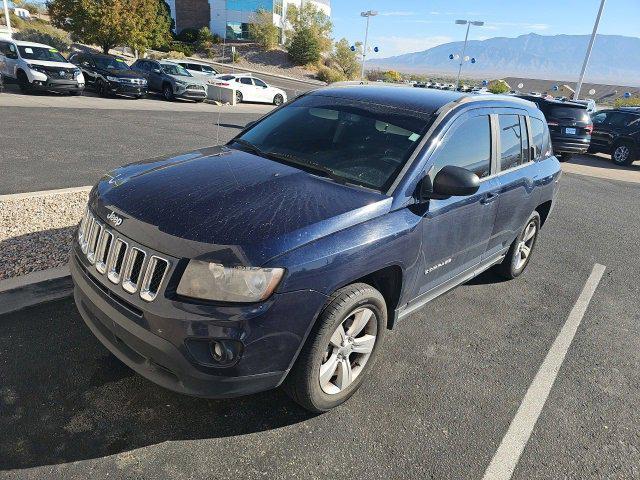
222 84
589 128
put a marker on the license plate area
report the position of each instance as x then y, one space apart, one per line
570 131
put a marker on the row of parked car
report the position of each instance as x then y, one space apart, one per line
35 66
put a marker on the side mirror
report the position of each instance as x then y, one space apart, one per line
450 181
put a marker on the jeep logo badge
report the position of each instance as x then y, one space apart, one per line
115 219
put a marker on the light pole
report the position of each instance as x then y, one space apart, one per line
468 23
576 95
6 16
367 14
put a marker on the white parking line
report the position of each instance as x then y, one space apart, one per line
506 458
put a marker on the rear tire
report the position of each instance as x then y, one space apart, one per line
564 157
623 154
521 249
354 317
76 93
238 96
278 100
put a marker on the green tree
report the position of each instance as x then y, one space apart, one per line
392 76
263 31
139 24
304 48
344 60
498 87
312 21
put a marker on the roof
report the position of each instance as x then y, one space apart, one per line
552 101
20 43
422 100
188 60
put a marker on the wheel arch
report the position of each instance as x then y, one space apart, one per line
388 281
543 210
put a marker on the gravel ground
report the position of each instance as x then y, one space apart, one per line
35 232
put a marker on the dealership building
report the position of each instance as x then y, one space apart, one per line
230 18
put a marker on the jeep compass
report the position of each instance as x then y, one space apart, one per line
284 256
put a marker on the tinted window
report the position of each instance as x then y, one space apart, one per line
538 133
469 146
362 143
111 63
227 77
564 112
194 67
48 54
259 82
617 119
207 69
600 118
245 81
511 134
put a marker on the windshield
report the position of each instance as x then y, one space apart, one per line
356 142
41 53
109 63
174 69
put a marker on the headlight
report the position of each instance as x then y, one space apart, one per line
212 281
37 68
180 82
113 79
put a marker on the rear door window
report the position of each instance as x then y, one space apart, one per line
618 119
246 81
511 141
540 138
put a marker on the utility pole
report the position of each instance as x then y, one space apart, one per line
468 23
576 95
367 14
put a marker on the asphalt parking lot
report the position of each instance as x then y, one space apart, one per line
448 384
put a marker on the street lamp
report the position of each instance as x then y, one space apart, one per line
368 14
468 23
576 95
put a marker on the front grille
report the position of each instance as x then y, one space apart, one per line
123 265
133 81
195 87
61 73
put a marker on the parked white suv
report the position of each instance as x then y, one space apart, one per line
251 89
38 66
200 70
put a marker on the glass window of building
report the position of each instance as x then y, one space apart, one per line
251 5
277 7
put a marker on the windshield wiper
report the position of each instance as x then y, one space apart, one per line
291 160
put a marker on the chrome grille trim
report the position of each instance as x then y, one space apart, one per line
123 264
131 279
114 270
94 238
148 289
102 253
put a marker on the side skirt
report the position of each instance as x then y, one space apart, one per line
435 292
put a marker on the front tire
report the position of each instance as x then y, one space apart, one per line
278 100
623 154
167 92
23 82
340 350
521 249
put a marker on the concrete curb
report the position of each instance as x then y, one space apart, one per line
43 193
38 287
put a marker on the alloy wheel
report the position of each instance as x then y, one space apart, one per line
526 244
348 351
621 154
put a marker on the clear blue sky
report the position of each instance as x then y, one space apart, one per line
413 25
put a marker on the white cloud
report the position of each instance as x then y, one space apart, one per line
397 14
390 46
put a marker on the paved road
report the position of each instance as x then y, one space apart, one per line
447 385
49 148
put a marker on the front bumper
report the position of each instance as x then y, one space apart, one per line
58 85
127 89
156 341
191 94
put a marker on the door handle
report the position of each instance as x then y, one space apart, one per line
489 197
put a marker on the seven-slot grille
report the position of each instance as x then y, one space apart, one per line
195 87
123 264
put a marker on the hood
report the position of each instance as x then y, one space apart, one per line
46 63
191 80
225 205
123 73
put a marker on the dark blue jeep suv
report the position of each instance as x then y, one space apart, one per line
284 256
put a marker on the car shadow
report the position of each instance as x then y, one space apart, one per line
487 277
64 397
601 160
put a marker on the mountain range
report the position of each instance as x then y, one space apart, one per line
615 58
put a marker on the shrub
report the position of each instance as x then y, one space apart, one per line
305 47
263 31
627 102
235 57
188 35
498 87
330 75
47 34
173 54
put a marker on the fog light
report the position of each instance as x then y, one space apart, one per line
215 353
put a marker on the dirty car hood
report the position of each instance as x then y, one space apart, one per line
227 205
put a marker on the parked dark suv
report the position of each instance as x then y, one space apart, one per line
569 123
110 75
285 255
617 132
171 80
